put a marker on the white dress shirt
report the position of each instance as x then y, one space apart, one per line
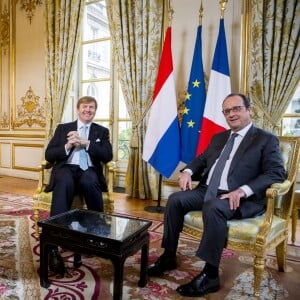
74 157
223 182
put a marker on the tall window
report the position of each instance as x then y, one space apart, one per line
291 119
96 76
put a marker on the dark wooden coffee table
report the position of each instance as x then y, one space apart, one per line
93 233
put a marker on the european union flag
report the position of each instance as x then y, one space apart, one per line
194 104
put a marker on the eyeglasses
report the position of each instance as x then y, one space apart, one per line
234 109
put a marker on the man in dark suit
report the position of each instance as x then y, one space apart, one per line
77 151
253 164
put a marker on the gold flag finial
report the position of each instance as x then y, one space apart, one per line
170 13
200 13
223 7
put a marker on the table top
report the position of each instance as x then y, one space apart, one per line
96 224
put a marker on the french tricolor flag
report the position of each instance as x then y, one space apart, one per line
162 139
218 88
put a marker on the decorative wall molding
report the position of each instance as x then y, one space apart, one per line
34 151
4 30
30 112
4 121
30 6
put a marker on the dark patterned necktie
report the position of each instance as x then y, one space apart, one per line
214 183
83 158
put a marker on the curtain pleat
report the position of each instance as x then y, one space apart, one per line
63 20
274 59
136 29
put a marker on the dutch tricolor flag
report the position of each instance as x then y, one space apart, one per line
161 147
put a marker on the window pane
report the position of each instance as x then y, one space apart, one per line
124 140
291 126
96 60
294 106
95 77
95 22
101 91
104 123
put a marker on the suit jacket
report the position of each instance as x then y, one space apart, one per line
100 150
256 163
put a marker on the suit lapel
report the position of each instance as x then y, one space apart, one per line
216 151
72 127
220 145
93 132
245 144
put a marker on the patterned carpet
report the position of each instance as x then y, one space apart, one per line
19 266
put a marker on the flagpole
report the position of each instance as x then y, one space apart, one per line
158 208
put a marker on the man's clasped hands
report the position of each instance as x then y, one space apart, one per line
74 140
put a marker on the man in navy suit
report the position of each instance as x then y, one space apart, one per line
254 163
68 177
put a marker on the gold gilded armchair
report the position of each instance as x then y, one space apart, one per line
269 231
42 200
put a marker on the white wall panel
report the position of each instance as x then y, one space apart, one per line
27 157
29 55
5 155
184 28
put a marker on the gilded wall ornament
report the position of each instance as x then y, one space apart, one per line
30 7
30 112
4 30
4 121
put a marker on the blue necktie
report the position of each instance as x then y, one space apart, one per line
214 183
83 157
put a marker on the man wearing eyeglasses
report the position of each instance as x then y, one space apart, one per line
233 173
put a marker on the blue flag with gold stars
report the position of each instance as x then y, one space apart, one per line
194 104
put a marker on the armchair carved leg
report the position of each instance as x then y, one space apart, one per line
281 255
295 213
258 270
108 202
36 218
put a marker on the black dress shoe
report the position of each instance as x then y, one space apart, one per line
56 263
163 264
199 286
77 260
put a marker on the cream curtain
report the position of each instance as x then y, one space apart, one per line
274 65
63 18
136 29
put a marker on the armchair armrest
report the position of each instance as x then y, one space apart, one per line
276 190
272 193
45 165
282 187
109 173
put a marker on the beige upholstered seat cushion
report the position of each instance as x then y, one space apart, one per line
239 230
43 198
43 201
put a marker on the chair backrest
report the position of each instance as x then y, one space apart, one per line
290 149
